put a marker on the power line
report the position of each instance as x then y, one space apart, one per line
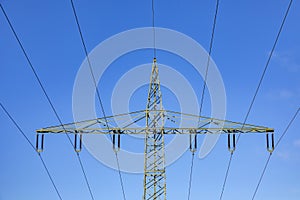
44 92
226 176
30 63
270 155
209 54
85 176
88 59
285 131
268 62
30 143
153 30
257 89
97 92
191 175
204 87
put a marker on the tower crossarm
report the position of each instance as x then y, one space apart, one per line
175 123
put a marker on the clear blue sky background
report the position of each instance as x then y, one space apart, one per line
244 35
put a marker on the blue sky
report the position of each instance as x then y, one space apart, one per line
244 35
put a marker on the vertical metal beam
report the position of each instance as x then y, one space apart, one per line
154 166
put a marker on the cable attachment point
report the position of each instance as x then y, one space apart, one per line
116 139
77 142
154 60
193 141
39 146
231 142
270 142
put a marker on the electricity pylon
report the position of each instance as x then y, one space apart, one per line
154 167
159 122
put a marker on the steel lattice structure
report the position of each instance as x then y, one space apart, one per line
158 122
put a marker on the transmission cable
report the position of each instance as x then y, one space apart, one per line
97 92
46 95
30 143
270 155
203 88
191 175
256 91
153 29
